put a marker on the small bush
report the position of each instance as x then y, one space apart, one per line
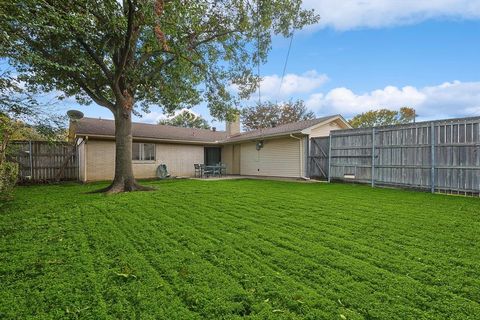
8 179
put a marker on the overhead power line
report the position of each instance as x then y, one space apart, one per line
285 64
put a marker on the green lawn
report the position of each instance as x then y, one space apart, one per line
239 248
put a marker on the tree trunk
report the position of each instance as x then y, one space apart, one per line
124 180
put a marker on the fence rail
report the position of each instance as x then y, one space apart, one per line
43 161
440 156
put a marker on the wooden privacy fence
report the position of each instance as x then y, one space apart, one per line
440 156
318 158
43 161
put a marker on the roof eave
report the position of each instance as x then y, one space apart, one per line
308 130
110 137
262 137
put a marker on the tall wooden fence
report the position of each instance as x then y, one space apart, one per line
441 156
43 161
318 158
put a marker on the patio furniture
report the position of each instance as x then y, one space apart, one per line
223 169
216 169
198 170
205 170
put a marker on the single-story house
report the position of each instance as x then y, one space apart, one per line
280 151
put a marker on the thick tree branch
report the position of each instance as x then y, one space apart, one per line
124 56
96 96
147 55
98 60
128 36
193 47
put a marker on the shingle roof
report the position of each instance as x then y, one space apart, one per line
289 128
102 127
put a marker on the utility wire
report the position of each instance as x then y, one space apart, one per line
286 62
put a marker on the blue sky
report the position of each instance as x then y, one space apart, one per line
369 54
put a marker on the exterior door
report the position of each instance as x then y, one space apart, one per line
212 155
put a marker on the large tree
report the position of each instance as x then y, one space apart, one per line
383 117
186 119
128 55
269 114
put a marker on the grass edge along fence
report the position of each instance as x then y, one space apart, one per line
439 156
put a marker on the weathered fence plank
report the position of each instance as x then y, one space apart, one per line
318 158
43 161
441 156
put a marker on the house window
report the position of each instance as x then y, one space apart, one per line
143 151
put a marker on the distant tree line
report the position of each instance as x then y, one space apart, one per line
186 119
383 117
270 114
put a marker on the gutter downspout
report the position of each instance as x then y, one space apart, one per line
79 142
85 153
302 176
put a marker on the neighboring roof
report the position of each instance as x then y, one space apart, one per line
106 128
285 129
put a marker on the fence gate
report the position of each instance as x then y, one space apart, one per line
42 161
318 158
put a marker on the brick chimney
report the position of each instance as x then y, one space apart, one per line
74 116
233 128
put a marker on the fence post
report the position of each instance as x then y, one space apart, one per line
373 157
329 156
432 170
31 159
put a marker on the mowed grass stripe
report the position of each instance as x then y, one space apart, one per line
130 284
257 249
171 263
54 277
293 222
280 245
375 253
261 255
407 270
176 263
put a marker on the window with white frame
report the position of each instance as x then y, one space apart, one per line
143 151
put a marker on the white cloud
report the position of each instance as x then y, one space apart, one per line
449 99
272 86
352 14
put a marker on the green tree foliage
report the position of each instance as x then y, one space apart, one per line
406 115
127 55
270 114
383 117
186 119
22 117
8 179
